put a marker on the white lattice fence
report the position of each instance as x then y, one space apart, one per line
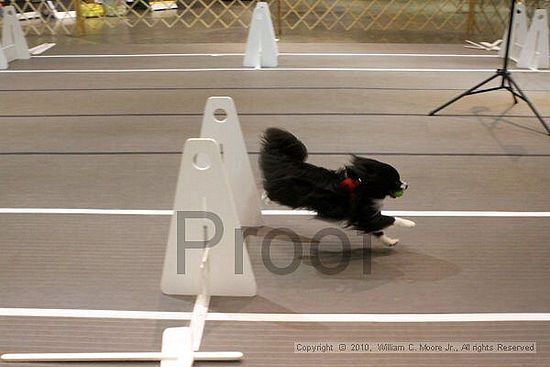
481 17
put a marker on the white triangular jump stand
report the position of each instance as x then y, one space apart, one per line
228 134
209 269
206 188
14 45
519 33
261 46
534 54
176 352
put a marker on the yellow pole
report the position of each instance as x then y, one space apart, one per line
80 19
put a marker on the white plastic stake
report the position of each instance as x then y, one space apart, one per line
202 302
228 134
14 45
203 178
535 54
261 46
519 33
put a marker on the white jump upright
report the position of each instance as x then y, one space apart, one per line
212 261
228 134
205 187
261 46
205 255
534 54
14 45
519 33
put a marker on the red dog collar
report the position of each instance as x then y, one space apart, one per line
349 184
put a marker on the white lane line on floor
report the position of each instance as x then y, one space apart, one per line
274 317
425 213
279 212
284 54
199 70
107 56
85 211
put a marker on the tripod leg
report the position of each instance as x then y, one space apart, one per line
505 81
524 97
468 92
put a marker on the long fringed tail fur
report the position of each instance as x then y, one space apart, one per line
290 181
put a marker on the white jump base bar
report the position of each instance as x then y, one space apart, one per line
116 357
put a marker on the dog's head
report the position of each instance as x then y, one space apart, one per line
378 179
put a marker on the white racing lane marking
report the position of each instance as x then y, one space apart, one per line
275 317
198 70
284 54
280 212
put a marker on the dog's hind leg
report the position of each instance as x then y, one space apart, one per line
265 198
385 239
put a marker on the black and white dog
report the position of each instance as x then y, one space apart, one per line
352 194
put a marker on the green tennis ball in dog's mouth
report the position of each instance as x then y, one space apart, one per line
398 194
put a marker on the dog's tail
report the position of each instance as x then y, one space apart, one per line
281 154
288 179
282 145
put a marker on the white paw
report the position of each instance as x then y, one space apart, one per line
389 241
405 223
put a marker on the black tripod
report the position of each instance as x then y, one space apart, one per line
506 81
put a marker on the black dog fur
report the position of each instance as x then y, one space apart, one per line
291 181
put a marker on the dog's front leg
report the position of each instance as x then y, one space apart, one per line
386 221
375 225
388 241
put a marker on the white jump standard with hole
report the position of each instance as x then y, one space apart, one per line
528 43
534 54
261 45
519 33
205 265
228 134
206 253
14 45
